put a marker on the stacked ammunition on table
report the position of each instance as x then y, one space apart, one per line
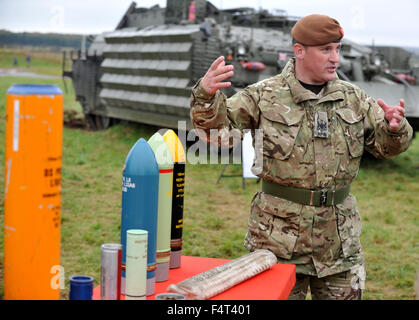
151 219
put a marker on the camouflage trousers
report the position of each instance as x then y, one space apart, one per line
334 287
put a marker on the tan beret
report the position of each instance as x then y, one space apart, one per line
317 30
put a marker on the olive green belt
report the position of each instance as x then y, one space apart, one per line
304 196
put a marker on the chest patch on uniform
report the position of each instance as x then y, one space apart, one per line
321 125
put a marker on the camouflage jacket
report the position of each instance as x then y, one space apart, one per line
319 240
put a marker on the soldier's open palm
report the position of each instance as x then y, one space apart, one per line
218 72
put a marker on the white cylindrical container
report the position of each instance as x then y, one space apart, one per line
136 265
110 271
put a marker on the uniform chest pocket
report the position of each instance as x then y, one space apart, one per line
353 129
280 125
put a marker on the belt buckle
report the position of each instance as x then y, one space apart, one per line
323 198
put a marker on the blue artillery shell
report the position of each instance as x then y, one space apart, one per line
140 188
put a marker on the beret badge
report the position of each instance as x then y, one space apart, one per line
341 33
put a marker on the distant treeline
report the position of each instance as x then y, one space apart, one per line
8 38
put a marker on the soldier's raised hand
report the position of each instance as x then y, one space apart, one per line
219 71
393 114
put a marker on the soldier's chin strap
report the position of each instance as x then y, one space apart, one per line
358 279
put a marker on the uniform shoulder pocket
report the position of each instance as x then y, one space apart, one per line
289 115
280 124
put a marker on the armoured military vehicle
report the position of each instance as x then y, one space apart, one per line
144 70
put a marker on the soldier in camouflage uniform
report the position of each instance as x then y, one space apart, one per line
315 130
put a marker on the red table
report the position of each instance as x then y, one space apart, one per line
273 284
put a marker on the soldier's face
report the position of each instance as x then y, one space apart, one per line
321 62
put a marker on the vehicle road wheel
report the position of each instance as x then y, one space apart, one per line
90 120
102 122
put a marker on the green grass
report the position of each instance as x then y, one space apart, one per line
42 62
215 216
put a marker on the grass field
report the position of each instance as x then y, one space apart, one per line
42 61
215 216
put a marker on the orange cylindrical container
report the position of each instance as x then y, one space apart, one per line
32 193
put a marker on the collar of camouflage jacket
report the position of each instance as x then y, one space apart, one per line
333 91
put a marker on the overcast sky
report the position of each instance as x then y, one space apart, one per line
390 22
